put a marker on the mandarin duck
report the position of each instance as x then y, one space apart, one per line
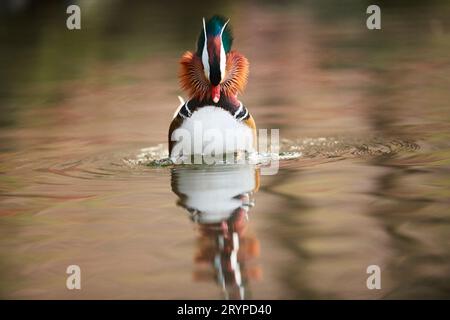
212 115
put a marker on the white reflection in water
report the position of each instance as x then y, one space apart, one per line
218 199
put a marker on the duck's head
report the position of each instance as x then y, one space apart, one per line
214 69
213 44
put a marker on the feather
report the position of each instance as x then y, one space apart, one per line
193 80
236 74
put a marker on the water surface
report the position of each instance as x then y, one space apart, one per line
368 111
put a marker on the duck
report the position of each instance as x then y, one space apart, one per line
212 119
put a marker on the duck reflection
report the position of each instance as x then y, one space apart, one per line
218 199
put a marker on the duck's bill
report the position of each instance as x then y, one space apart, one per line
215 93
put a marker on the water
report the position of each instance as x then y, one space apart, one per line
364 121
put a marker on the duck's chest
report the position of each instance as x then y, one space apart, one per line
211 129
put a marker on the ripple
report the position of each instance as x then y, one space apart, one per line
332 147
122 165
328 148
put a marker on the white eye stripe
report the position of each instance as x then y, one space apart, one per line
205 56
223 58
223 28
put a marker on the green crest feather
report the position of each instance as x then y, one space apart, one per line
213 28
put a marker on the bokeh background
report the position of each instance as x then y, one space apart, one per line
75 104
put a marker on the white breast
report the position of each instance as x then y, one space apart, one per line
211 130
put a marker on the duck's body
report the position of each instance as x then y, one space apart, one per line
212 120
221 128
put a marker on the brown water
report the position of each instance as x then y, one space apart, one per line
369 110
